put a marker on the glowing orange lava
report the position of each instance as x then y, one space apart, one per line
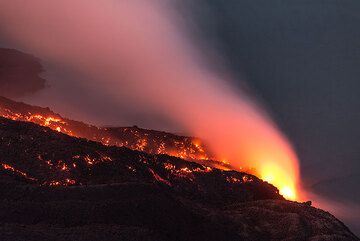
281 178
275 163
264 153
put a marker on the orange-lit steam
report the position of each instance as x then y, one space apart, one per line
243 135
137 52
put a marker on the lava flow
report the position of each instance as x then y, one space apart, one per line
153 142
149 141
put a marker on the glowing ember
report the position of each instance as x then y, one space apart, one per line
169 166
14 170
186 170
89 160
158 178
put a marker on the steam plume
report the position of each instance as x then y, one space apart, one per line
136 52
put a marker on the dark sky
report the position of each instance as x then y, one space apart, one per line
302 58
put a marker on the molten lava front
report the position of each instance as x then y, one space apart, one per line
284 181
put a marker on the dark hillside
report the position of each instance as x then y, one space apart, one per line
57 187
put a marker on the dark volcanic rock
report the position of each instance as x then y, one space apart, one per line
135 138
45 157
284 220
57 187
19 73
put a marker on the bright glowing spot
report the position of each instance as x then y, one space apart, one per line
288 193
268 178
281 179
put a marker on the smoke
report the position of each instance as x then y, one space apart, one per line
346 210
136 57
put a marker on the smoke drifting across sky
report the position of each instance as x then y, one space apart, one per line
136 55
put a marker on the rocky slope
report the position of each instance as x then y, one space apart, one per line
57 187
149 141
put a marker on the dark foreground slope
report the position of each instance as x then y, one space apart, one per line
57 187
